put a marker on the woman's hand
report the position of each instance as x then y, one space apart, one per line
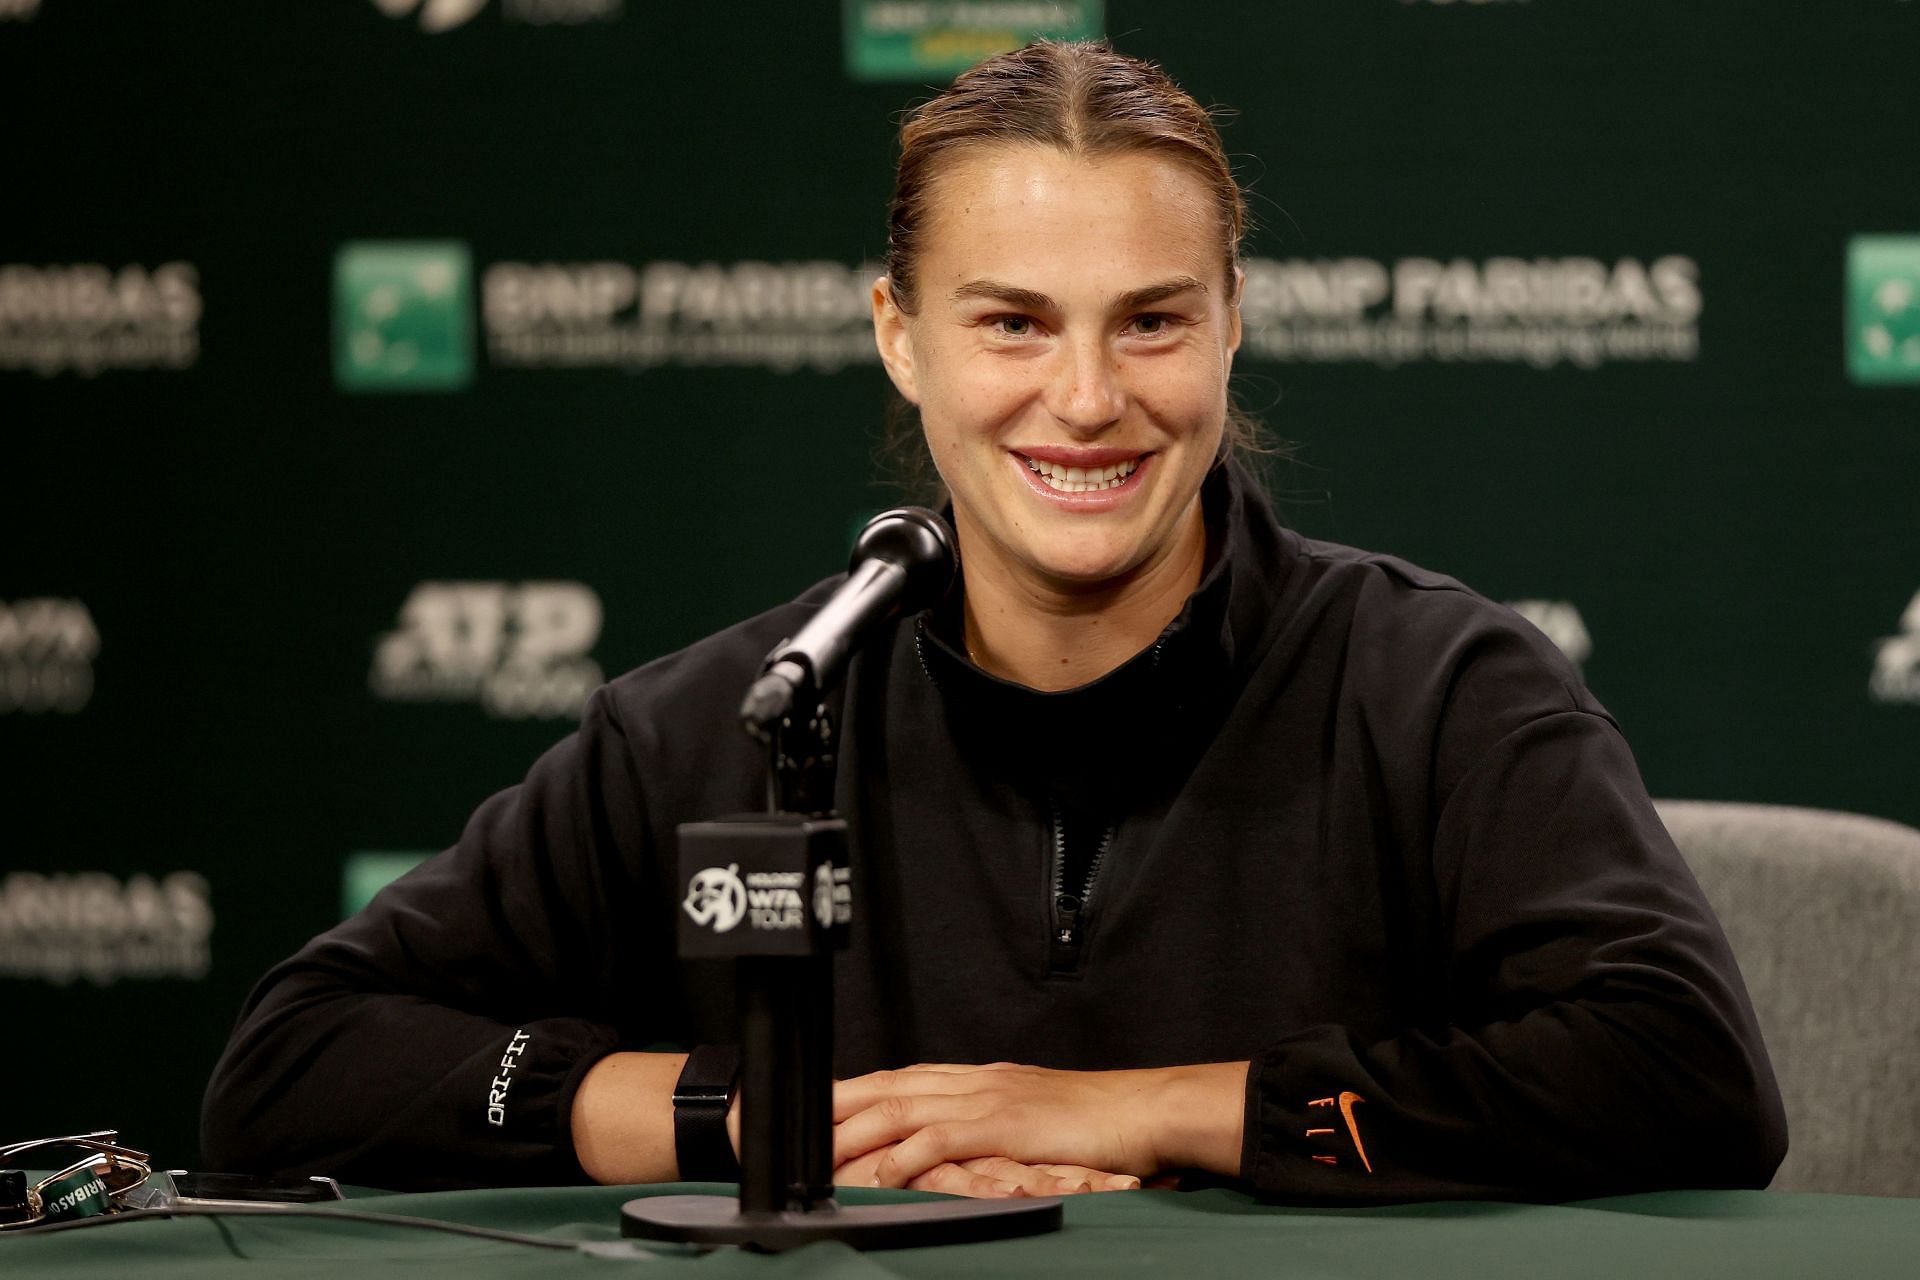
1132 1123
990 1177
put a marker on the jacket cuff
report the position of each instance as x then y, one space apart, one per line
523 1101
1305 1137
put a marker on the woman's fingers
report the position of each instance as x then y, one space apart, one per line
851 1097
944 1114
1039 1180
895 1116
999 1177
955 1180
1097 1179
936 1143
990 1177
858 1172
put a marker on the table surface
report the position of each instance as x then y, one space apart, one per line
1208 1235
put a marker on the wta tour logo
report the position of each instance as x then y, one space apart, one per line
402 316
1883 309
520 650
716 898
719 898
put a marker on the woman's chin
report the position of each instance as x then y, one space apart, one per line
1085 568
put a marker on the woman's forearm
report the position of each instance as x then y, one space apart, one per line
1199 1116
622 1118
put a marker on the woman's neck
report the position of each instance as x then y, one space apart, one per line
1053 635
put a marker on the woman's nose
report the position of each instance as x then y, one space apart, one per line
1085 395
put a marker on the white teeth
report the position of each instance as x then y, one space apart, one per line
1082 479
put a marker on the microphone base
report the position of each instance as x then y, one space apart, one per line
717 1220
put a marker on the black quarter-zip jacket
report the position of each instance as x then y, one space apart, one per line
1344 820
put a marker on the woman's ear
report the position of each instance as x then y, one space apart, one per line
891 336
1239 283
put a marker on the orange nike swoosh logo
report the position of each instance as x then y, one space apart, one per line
1347 1099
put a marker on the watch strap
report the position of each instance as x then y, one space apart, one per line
701 1099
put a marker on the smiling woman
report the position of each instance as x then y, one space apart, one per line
1069 361
1061 305
1187 848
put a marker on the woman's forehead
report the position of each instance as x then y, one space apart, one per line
1029 210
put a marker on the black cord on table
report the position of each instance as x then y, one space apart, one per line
303 1211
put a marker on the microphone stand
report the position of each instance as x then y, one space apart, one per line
783 964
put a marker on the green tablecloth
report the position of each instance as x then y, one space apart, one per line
1211 1235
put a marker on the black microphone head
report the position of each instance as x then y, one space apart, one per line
920 542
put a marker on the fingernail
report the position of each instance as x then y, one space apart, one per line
875 1182
1124 1183
1011 1188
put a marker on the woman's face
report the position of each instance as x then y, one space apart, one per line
1069 355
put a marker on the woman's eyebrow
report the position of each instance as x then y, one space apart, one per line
1155 293
1012 295
1028 300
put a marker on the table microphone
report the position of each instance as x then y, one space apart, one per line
903 561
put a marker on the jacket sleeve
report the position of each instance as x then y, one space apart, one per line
1592 1035
436 1038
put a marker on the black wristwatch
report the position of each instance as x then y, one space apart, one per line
701 1100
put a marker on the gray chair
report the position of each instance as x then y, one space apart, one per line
1823 911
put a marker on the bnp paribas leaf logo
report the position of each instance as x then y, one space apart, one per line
435 15
402 315
1883 308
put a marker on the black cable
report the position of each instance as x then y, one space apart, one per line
305 1211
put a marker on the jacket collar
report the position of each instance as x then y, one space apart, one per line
1195 662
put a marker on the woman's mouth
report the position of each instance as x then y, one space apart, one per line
1066 479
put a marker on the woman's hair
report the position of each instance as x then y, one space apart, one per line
1084 99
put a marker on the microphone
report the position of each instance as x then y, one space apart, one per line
903 561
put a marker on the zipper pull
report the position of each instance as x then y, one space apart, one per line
1067 931
1065 949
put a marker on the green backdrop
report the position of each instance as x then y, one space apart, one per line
376 376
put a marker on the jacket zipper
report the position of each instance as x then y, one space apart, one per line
1068 915
1070 909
